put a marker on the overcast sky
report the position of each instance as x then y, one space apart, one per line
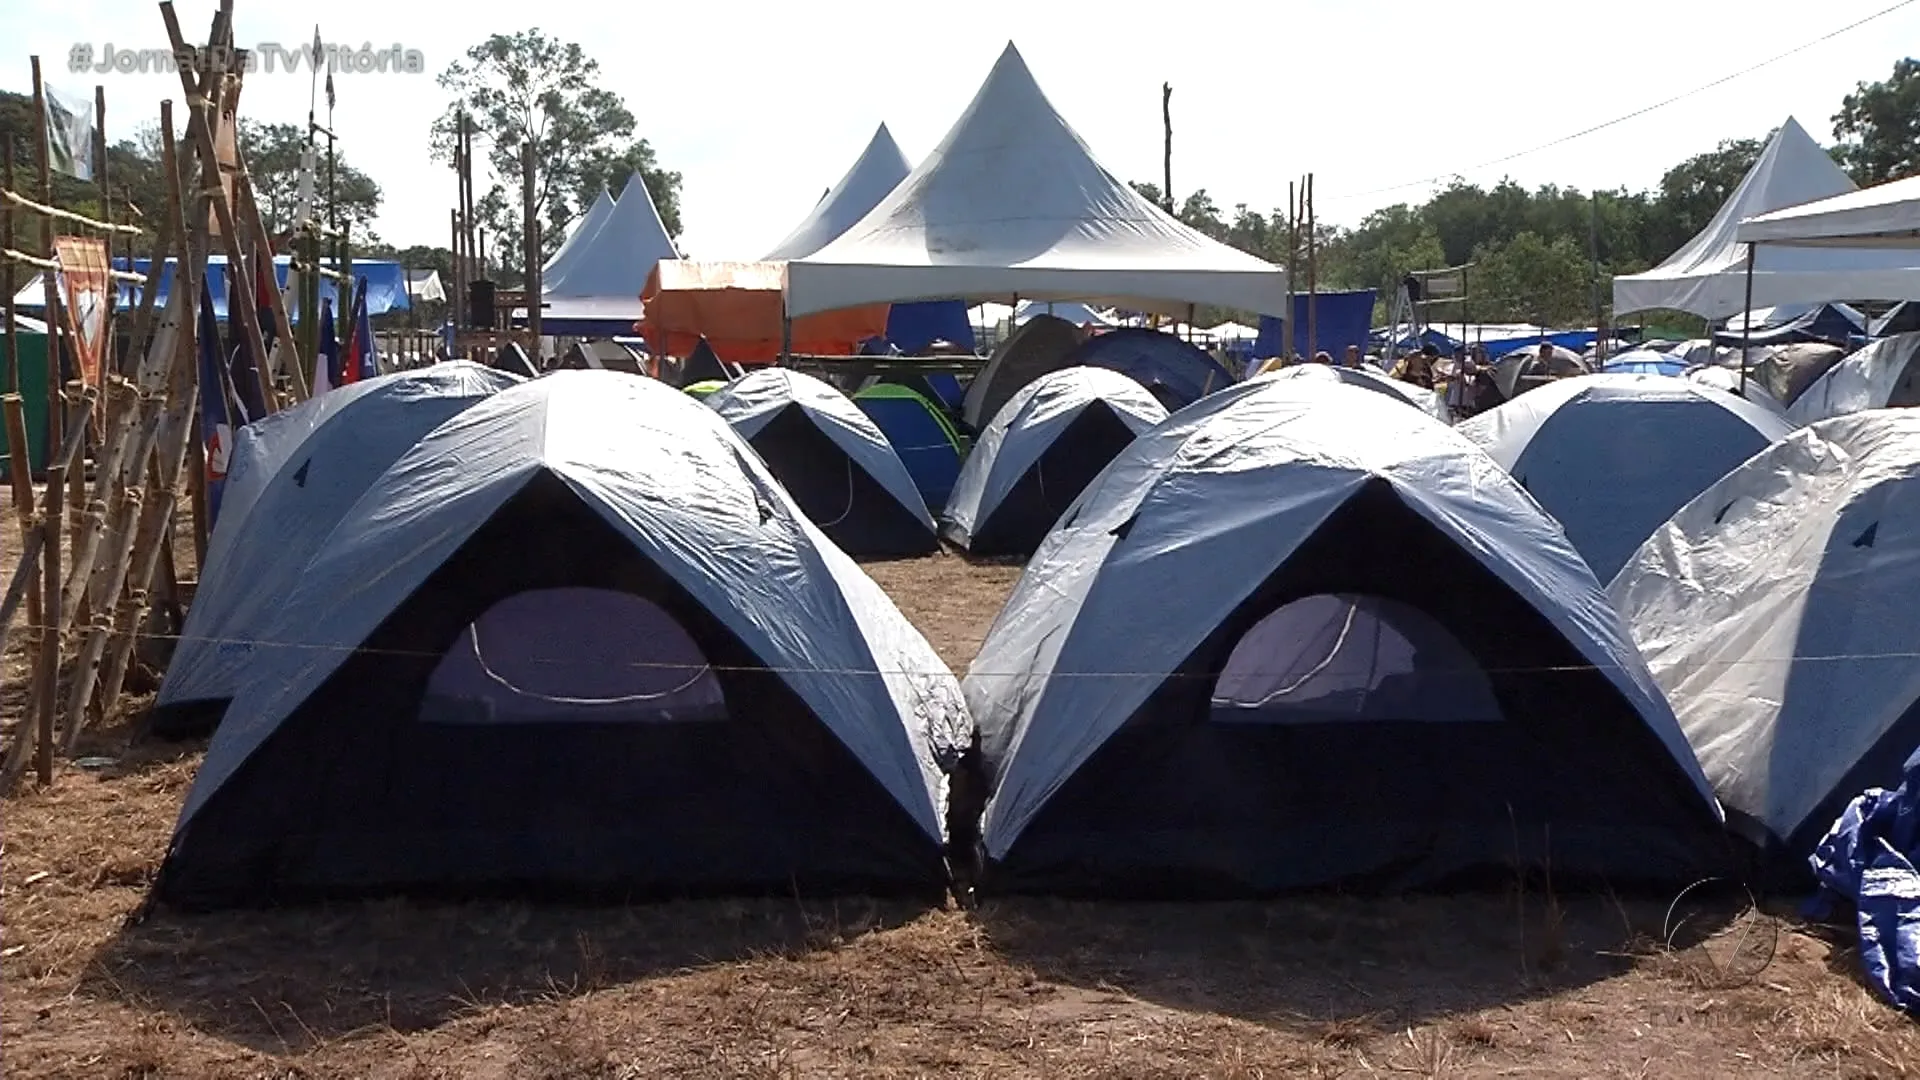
761 107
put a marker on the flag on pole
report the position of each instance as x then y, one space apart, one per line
319 51
326 357
71 133
248 385
360 361
216 423
329 94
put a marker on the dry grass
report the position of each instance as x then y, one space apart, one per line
1309 987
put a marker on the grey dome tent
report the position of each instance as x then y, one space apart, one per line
1427 401
1042 449
1778 612
1299 636
1038 346
1729 380
1884 375
832 458
296 474
579 642
1531 365
1613 456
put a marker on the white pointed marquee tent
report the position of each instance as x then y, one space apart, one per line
1708 276
1012 203
599 294
1886 215
879 170
577 241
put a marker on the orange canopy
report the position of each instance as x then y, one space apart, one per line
737 307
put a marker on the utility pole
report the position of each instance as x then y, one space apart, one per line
1166 153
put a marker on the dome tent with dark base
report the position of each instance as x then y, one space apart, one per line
605 655
1884 375
1780 611
1613 456
1428 402
920 433
1172 370
1038 346
1304 714
1045 446
831 458
297 473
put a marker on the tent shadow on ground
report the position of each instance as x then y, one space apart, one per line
1319 961
280 981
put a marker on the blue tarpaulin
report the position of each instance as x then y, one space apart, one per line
1868 860
386 285
1572 340
1340 319
913 327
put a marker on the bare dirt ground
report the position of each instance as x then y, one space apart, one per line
1511 985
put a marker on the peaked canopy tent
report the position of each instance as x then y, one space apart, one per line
1613 456
875 173
832 459
578 239
735 308
1885 215
598 295
294 476
1012 203
1361 596
1884 375
1777 612
1708 275
605 655
1042 449
1175 372
920 433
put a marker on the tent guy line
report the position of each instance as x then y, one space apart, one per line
361 650
1636 114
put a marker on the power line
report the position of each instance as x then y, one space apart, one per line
1637 113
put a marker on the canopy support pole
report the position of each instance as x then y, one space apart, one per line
1746 323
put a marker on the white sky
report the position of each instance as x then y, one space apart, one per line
762 106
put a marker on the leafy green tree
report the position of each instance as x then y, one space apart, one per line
529 89
1878 126
273 161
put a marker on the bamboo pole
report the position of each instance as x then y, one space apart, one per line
201 134
121 411
46 671
162 242
100 173
111 579
21 471
42 155
287 347
8 287
176 425
23 574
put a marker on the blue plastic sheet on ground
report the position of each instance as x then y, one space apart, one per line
1868 859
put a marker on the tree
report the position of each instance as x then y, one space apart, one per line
1531 279
1878 126
531 90
273 161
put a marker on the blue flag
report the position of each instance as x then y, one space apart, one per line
216 419
326 359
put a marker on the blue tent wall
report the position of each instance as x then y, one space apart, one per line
1176 372
917 436
386 285
1574 340
912 327
1340 319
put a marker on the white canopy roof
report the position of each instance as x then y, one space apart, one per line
878 171
615 261
1707 276
1884 216
577 240
1013 203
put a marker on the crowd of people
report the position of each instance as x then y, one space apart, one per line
1465 378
